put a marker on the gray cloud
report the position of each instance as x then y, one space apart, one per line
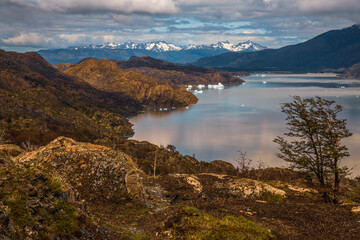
275 23
28 40
106 6
255 9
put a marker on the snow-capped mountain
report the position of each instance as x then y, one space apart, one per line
162 46
160 50
159 46
247 46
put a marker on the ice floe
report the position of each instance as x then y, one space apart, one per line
218 86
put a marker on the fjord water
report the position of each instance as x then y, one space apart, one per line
248 118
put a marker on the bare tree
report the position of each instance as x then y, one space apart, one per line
2 136
155 161
28 146
243 163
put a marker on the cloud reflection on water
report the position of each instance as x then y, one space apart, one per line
246 118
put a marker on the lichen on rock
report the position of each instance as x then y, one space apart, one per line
99 173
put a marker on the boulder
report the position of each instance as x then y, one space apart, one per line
100 174
356 210
10 150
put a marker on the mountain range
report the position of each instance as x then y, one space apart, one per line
160 50
332 51
162 46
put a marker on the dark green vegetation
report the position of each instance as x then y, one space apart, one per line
198 225
332 51
33 204
316 146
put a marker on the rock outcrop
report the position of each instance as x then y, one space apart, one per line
98 173
37 204
10 150
214 186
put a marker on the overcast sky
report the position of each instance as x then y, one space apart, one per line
37 24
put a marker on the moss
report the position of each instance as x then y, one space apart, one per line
125 234
355 196
191 211
20 214
34 200
65 217
132 215
199 225
137 210
270 197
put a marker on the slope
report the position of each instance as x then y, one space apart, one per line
106 75
40 103
352 72
330 51
178 74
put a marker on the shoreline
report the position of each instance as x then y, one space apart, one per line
295 74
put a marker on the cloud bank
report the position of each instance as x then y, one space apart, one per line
274 23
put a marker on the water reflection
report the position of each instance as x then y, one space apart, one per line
247 118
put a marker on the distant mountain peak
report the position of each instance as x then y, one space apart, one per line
331 51
355 27
163 46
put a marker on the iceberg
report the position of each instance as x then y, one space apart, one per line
218 86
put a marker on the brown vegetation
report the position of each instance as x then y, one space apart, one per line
40 103
352 72
107 76
178 74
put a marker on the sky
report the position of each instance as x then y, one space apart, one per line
30 25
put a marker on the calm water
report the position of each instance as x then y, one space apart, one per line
248 118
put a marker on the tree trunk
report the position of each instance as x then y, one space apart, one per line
327 198
336 186
155 160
